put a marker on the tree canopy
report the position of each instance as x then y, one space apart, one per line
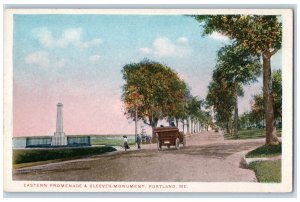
235 67
154 89
258 107
237 64
257 34
277 92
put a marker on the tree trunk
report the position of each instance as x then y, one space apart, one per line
227 128
230 126
188 125
177 123
135 125
271 137
153 123
236 116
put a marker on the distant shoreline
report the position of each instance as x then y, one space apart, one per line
75 135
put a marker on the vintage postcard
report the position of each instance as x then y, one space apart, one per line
148 100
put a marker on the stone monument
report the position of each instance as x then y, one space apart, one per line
59 138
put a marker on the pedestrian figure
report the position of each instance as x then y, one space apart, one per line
147 139
138 141
126 146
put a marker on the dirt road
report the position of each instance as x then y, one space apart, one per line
207 158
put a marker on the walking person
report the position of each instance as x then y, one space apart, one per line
138 141
126 146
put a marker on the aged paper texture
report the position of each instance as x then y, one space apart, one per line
82 85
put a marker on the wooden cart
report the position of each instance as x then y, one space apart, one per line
169 136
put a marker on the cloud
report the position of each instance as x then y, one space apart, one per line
182 40
219 37
94 58
41 59
164 47
59 63
70 36
145 50
87 44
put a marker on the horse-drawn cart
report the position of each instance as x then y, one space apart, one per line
169 136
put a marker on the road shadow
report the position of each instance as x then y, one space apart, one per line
216 150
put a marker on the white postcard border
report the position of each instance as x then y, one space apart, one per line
287 107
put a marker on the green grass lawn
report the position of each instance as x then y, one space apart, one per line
265 151
111 140
267 171
250 134
37 155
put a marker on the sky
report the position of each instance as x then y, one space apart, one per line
77 60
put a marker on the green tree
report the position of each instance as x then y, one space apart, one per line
154 90
245 120
259 34
238 67
277 93
182 113
194 112
258 106
258 110
221 97
235 67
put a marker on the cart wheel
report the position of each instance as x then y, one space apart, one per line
177 143
184 142
158 145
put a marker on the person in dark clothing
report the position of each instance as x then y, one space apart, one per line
138 141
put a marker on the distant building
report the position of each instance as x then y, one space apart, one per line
76 140
46 141
39 141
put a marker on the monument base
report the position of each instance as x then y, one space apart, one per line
59 140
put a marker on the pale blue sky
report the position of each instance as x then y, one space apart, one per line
77 60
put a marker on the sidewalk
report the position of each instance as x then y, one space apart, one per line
247 161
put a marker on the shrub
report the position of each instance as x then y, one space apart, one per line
34 155
265 151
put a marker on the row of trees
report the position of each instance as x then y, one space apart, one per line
258 36
153 91
256 117
235 68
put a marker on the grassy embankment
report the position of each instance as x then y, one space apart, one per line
265 171
250 134
30 157
111 140
265 151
